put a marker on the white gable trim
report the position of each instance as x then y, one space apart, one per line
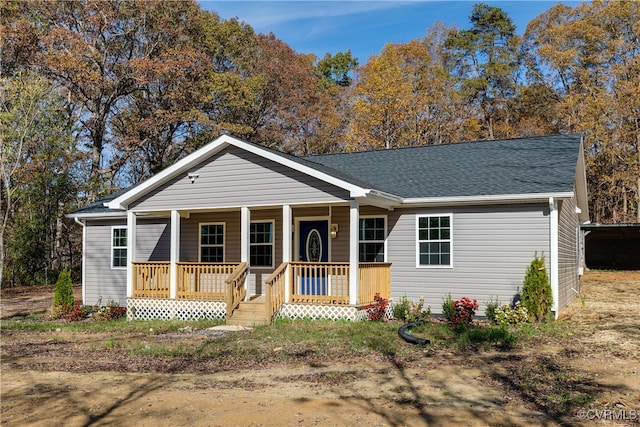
214 147
485 200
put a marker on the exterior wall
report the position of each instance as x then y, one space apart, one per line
568 255
103 283
492 247
235 178
189 235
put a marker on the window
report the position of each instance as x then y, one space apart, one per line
119 247
261 244
212 242
434 241
372 234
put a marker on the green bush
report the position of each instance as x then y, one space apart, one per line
536 291
411 311
490 310
507 315
448 308
63 294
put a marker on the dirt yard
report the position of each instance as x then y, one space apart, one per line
83 383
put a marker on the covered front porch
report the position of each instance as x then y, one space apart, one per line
224 285
264 241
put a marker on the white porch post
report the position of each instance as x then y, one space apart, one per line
175 254
286 248
554 276
245 225
354 225
131 250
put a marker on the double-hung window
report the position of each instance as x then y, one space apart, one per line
372 234
261 244
212 242
118 247
434 241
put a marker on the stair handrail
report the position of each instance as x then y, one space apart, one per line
236 290
274 292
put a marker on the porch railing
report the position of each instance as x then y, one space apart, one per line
274 292
202 281
374 278
150 279
236 290
320 283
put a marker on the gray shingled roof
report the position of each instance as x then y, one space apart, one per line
545 164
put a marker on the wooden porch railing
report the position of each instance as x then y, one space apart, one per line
236 290
203 281
374 278
150 279
274 292
320 283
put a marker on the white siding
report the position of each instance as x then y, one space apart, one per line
235 178
492 247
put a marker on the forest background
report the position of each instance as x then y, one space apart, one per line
98 95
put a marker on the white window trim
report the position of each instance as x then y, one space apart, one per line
418 241
272 244
113 228
224 239
386 236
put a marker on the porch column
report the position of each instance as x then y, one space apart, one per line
286 248
131 250
354 225
245 226
175 254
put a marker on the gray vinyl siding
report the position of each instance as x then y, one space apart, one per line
190 233
234 178
102 283
153 240
568 259
492 247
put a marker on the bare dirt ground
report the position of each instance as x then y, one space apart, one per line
82 383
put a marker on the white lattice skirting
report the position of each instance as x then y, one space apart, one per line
331 312
166 309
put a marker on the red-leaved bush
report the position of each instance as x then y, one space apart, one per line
377 310
465 309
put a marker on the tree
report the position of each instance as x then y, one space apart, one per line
36 162
536 291
588 58
485 58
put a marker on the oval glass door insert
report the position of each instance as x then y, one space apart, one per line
314 246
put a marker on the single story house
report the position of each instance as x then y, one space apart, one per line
245 232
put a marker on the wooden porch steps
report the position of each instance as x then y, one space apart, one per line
250 313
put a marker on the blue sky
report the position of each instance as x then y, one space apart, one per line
363 26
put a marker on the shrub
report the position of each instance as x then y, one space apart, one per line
536 291
465 309
63 294
377 310
507 315
448 309
490 310
411 311
77 313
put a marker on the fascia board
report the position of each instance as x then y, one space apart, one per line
486 199
98 215
212 148
582 196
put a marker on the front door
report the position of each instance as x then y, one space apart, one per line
314 247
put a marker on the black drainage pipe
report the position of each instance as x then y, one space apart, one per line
410 338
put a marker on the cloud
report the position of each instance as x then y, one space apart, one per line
268 16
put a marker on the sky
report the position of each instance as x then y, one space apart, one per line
363 26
